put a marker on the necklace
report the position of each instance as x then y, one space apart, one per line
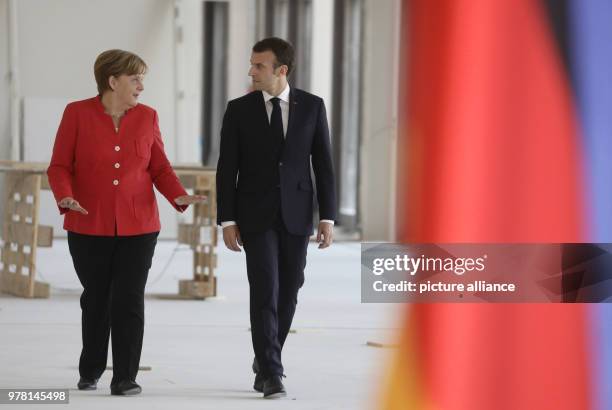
116 118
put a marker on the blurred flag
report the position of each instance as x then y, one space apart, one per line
590 35
491 151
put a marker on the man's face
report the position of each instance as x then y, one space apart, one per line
262 72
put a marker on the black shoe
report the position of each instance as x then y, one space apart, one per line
258 385
87 384
125 388
273 388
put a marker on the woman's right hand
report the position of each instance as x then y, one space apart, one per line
72 204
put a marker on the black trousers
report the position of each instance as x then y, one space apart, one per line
275 267
113 272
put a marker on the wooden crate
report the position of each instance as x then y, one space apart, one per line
21 235
200 234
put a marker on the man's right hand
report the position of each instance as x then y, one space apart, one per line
72 204
231 237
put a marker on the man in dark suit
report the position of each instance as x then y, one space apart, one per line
265 197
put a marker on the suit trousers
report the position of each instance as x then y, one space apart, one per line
275 267
113 271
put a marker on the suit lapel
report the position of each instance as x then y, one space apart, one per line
262 114
293 108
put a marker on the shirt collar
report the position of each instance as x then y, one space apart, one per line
284 95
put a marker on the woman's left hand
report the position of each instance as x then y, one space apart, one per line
190 199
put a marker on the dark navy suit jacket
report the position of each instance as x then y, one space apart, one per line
257 174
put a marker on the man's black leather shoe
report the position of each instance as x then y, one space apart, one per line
125 388
273 388
87 384
258 385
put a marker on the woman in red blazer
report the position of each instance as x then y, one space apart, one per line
108 155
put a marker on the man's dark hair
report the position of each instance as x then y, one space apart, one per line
283 50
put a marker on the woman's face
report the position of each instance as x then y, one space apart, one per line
127 88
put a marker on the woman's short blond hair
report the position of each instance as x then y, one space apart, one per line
115 63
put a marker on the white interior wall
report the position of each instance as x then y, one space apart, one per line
241 40
322 52
379 119
189 67
188 52
5 138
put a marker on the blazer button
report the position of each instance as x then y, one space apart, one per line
117 148
115 182
280 164
117 165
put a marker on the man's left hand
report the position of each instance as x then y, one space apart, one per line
325 234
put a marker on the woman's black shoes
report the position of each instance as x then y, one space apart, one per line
125 388
87 384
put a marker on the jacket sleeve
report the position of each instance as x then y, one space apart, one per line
163 176
61 168
227 167
323 167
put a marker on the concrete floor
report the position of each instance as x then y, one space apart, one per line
200 351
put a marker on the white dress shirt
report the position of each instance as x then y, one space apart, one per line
284 105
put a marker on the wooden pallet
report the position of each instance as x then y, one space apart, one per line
22 235
200 235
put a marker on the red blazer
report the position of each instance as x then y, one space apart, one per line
111 174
